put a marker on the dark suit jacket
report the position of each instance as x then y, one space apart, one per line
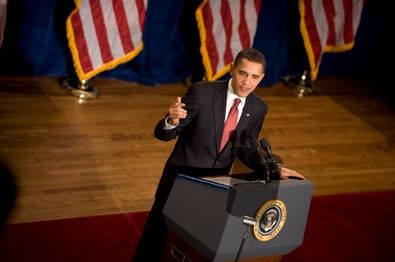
199 135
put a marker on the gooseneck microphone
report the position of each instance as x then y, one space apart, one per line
263 161
252 156
265 145
259 157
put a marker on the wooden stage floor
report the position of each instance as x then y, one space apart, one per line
74 158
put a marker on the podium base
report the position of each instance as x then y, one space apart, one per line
176 250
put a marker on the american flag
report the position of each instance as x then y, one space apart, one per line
104 33
328 26
225 27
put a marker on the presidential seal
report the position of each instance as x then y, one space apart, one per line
270 218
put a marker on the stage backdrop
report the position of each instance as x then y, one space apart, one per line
35 42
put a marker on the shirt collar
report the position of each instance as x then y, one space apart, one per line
232 95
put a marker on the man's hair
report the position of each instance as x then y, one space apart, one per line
251 54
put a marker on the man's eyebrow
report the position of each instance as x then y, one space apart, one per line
244 72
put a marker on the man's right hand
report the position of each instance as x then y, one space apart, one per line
177 112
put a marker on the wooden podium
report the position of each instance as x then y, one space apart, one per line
227 219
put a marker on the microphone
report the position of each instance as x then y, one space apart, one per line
265 145
255 145
263 161
253 158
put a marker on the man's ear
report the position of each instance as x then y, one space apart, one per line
231 67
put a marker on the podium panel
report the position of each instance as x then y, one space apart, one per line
209 214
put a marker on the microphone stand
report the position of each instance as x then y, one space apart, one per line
248 221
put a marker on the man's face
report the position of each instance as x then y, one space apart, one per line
246 77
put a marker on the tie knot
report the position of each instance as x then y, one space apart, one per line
236 102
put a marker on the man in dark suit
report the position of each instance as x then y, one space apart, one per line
198 121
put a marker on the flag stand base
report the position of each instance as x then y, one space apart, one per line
302 85
302 90
81 89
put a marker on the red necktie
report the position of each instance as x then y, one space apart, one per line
230 124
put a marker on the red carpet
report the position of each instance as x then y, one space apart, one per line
102 238
350 227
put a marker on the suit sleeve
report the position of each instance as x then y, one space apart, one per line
190 100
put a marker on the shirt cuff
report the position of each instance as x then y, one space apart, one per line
168 126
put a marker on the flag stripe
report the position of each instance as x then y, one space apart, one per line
225 27
330 17
357 7
141 7
313 32
319 19
122 26
338 19
257 7
251 13
243 28
113 36
348 33
104 33
83 52
101 32
237 41
209 38
136 9
89 35
218 32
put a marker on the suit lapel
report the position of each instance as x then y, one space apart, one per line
246 115
219 105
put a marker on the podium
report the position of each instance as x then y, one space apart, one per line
224 218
